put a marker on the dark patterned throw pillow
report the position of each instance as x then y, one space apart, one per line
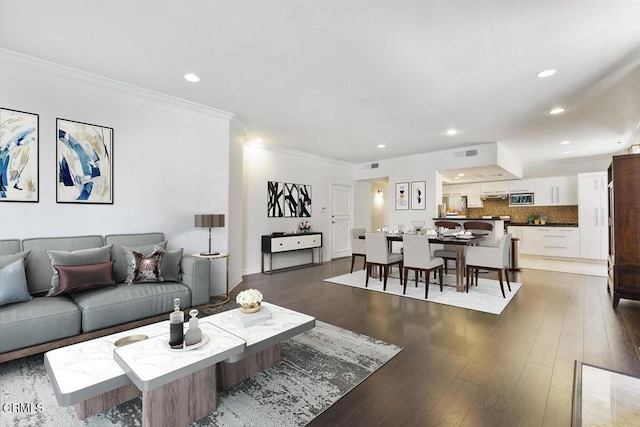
146 268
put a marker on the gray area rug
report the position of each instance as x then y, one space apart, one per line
318 367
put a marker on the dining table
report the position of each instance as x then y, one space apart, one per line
459 242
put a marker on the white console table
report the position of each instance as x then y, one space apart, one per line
274 244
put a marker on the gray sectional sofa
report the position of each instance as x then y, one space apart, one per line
87 313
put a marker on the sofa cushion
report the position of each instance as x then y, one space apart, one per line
170 264
13 283
110 306
39 270
146 268
5 260
133 241
9 246
40 320
131 261
82 277
79 257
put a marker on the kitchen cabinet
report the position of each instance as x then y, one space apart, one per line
525 234
592 215
557 241
473 196
454 190
556 191
494 187
624 227
522 186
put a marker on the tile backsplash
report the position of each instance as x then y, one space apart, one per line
519 214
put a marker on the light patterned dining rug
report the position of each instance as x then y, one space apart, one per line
485 297
318 368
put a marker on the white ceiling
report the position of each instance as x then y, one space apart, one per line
337 77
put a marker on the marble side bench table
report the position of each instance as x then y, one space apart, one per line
264 339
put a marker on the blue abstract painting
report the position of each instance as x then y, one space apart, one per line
18 156
85 163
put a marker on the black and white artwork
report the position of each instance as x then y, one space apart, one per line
304 205
275 199
290 200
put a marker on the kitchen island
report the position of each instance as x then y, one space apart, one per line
493 238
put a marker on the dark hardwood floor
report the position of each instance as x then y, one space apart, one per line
462 367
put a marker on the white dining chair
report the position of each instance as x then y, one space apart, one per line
490 258
378 255
417 257
358 246
446 252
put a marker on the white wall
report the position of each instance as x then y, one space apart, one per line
362 206
171 158
264 164
235 218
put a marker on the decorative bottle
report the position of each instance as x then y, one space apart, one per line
176 325
194 334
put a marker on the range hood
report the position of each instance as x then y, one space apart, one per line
494 196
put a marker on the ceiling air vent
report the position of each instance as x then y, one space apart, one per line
468 153
374 165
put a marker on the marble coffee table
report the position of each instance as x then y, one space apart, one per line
263 339
178 387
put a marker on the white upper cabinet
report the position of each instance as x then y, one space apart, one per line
454 190
522 186
494 187
556 191
473 196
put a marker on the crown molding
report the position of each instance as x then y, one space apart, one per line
238 126
61 71
307 155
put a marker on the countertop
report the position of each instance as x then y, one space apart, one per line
465 218
549 224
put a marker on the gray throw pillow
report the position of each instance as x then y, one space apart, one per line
144 249
170 264
10 259
13 283
79 257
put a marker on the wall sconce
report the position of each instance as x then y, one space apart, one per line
379 198
379 193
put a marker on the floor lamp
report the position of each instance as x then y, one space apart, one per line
209 221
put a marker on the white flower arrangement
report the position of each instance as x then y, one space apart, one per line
305 225
249 297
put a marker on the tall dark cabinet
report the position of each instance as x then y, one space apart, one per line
624 227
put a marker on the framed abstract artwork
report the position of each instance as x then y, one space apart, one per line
84 163
290 200
304 205
275 199
417 195
19 150
402 196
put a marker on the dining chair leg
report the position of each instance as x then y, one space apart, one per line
468 271
506 275
404 282
386 274
368 268
440 271
380 273
353 261
401 266
477 270
416 279
427 273
501 284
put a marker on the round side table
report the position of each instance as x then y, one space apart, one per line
221 299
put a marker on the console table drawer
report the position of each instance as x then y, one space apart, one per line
291 242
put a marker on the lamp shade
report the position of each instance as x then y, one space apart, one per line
209 220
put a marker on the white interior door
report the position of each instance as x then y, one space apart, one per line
341 221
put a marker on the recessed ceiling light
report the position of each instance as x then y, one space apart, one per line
568 152
565 142
460 174
381 145
557 110
456 177
546 73
451 131
191 78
